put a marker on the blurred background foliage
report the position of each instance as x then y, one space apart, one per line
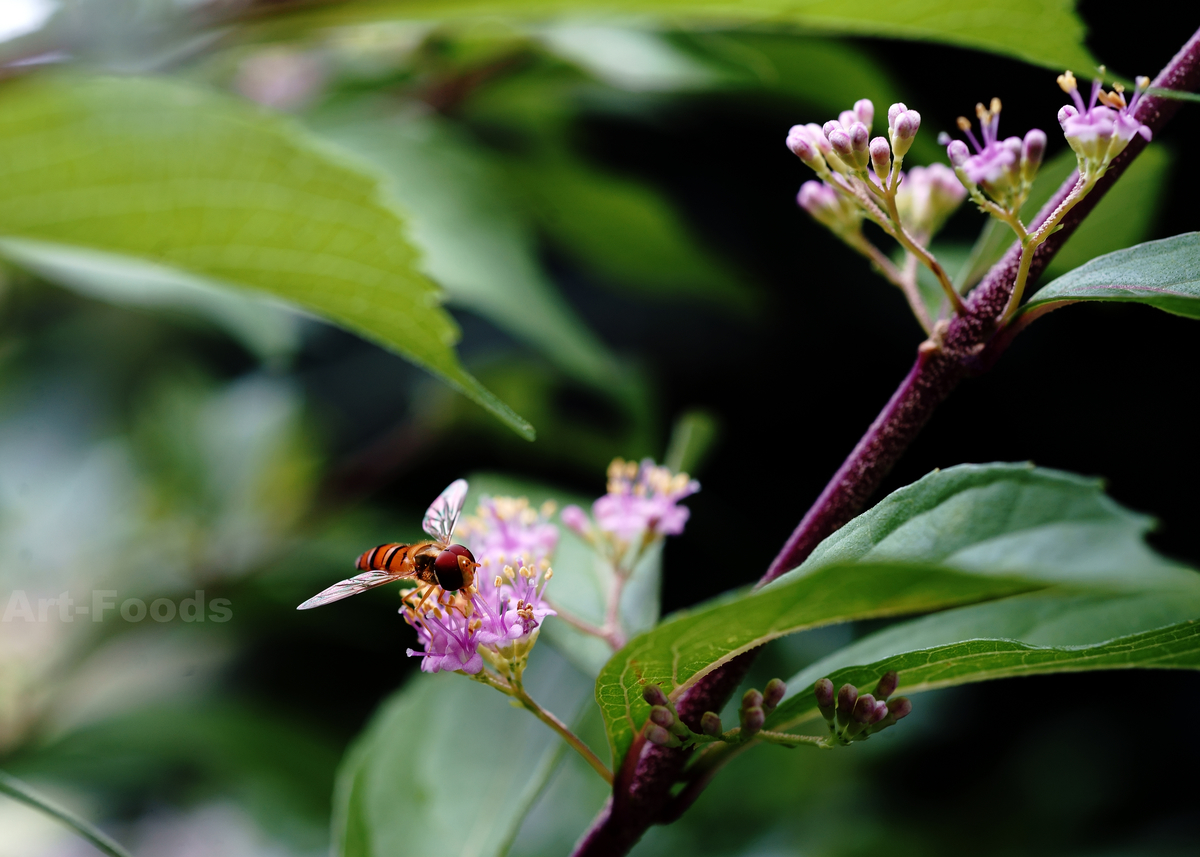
602 193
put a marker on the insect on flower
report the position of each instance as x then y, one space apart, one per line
437 563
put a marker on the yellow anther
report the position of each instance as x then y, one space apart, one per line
549 573
499 581
981 113
995 106
509 573
1114 100
964 124
548 508
1142 81
1067 82
1118 87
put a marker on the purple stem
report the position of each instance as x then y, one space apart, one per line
642 791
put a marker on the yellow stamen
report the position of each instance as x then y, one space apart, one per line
549 508
1142 81
1067 82
964 124
995 106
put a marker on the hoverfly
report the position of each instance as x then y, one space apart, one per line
437 563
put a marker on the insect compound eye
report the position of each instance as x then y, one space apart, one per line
449 574
460 550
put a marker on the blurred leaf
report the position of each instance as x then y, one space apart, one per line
693 643
626 58
1044 32
627 232
448 768
691 441
17 790
474 242
1122 218
1173 647
1163 274
269 329
188 179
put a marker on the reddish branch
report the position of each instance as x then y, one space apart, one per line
642 791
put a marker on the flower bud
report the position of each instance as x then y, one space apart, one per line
663 716
829 208
657 735
752 721
1032 152
904 130
823 690
831 126
887 685
847 697
894 111
847 118
773 693
654 695
881 158
800 141
864 110
575 518
864 709
841 143
751 699
958 152
710 724
860 139
1066 112
900 707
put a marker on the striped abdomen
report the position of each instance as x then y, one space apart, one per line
389 557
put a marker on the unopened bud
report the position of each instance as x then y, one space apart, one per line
774 692
823 690
894 111
864 709
847 697
663 716
900 707
881 158
887 685
1066 112
800 141
865 111
847 118
752 721
841 143
958 152
881 711
904 130
831 126
751 699
710 724
654 695
1032 152
657 735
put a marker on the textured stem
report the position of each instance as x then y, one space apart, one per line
565 731
642 799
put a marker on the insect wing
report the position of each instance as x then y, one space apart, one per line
350 586
443 514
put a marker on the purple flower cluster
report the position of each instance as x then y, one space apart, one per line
642 500
503 611
1099 132
1003 168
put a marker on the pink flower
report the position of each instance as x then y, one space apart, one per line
927 196
1098 133
447 632
1003 168
643 499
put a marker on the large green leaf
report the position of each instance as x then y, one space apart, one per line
981 521
1046 32
474 242
191 180
448 768
1163 274
692 644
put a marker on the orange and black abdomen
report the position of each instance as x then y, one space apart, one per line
387 557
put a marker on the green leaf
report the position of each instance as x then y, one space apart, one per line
474 242
1173 647
19 791
625 231
688 646
1163 274
264 326
447 767
188 179
1044 32
989 518
692 439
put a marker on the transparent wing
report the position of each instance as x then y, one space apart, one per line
443 514
350 586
